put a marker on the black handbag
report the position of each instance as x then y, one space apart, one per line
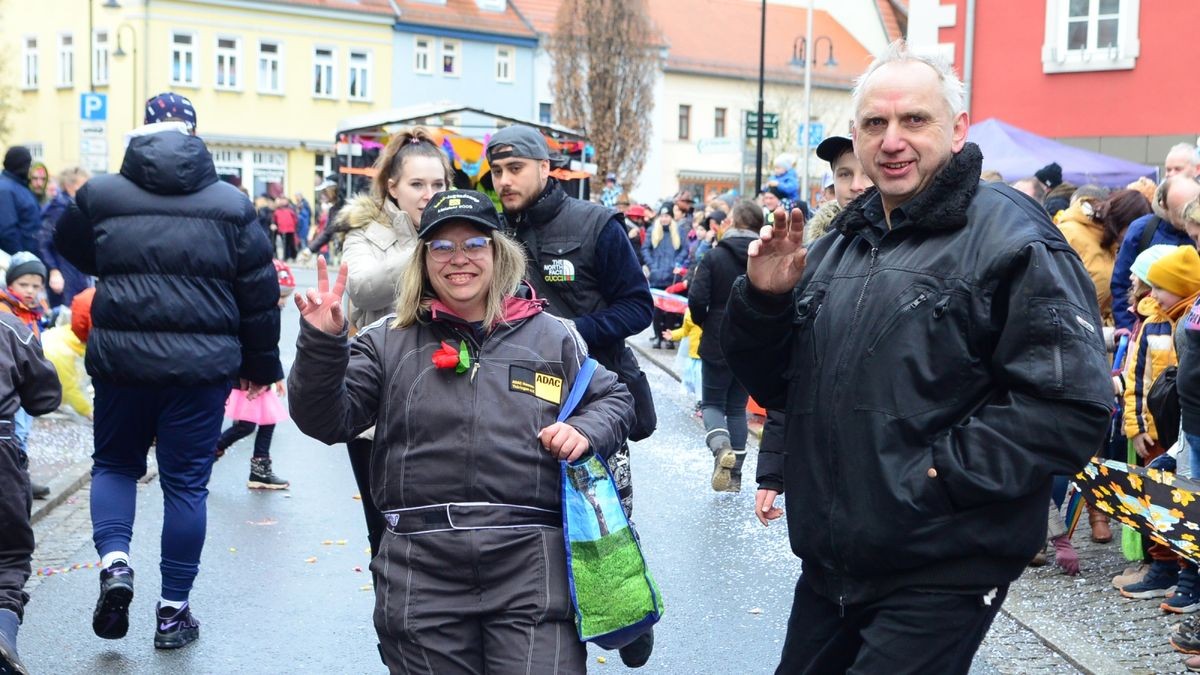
1163 402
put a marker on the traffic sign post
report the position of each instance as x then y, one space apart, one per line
93 132
770 124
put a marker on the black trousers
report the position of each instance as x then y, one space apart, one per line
909 631
360 463
242 429
16 533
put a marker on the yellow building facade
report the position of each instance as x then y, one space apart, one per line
269 79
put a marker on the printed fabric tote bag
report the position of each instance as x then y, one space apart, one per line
615 597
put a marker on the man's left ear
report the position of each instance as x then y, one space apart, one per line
961 124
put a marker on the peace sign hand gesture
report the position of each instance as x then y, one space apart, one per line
322 307
776 258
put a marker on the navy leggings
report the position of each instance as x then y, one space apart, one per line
186 422
242 429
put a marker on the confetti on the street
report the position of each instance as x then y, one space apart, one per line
264 521
51 571
341 542
357 497
756 610
232 549
601 659
367 587
311 559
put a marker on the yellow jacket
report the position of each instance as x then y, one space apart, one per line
1151 351
689 330
65 351
1084 235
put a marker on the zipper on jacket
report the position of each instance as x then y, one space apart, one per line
1058 352
895 318
833 456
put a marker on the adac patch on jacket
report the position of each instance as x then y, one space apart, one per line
559 270
541 385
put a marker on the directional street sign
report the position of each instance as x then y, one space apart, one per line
772 119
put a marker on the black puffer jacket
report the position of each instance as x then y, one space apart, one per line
709 291
935 376
187 293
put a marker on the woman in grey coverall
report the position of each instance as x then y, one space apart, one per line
463 387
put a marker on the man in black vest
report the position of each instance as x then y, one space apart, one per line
581 262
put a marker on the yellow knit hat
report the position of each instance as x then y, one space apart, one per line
1177 272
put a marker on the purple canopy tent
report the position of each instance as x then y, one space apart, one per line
1017 153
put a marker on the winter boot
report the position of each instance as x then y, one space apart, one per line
723 458
261 477
9 661
735 472
1101 533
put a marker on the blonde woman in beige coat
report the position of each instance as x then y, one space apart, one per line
380 242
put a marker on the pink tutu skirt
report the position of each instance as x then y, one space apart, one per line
266 409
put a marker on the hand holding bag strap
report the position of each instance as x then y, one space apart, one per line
578 388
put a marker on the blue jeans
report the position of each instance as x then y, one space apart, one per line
723 402
1193 442
22 422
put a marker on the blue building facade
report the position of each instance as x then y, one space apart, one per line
493 71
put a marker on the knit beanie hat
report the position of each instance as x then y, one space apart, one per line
17 160
22 263
1177 272
81 314
1141 264
1050 175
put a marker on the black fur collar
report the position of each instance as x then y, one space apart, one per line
943 205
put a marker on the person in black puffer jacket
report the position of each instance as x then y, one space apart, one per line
723 401
185 306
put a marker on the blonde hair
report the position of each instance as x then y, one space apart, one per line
415 293
405 143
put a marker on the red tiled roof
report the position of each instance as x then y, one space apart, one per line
721 37
541 14
891 21
465 15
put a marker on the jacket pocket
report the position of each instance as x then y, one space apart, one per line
1063 342
919 358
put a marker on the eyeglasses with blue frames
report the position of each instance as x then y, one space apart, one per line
442 250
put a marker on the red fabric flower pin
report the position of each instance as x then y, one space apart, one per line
448 357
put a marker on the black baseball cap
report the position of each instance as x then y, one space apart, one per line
831 148
454 205
519 141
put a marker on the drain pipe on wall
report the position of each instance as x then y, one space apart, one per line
969 53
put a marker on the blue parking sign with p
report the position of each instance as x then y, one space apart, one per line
93 107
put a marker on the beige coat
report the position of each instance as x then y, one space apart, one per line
379 245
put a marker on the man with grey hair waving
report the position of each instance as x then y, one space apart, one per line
939 357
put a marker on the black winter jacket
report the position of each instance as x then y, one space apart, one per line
27 379
187 293
935 376
708 293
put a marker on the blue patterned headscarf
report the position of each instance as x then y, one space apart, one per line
170 105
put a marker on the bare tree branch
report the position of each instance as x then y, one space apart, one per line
604 67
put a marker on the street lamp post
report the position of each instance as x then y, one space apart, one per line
808 40
120 53
762 58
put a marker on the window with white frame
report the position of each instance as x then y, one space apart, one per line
229 63
323 72
270 67
422 55
66 60
451 52
100 58
29 63
1088 35
505 64
183 58
359 81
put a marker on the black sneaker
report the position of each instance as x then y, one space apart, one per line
40 491
637 653
261 476
9 663
111 618
175 628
